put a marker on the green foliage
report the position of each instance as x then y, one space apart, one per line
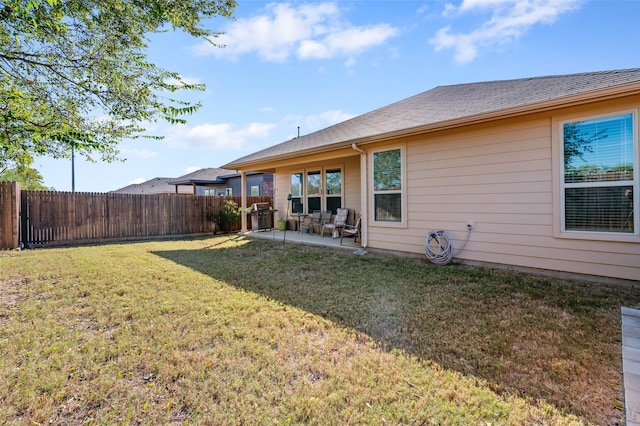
27 177
227 217
387 170
578 142
76 74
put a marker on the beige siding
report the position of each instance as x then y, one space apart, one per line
352 185
499 178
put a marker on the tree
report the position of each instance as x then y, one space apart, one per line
387 170
74 74
28 178
578 142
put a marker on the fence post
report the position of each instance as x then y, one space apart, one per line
9 215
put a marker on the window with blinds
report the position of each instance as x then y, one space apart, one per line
387 185
599 174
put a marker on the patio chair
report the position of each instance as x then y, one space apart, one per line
339 220
351 230
325 217
313 221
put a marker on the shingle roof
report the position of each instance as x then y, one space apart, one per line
157 185
202 176
444 104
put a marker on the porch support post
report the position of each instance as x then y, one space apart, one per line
364 196
243 202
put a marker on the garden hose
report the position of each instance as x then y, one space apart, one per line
438 247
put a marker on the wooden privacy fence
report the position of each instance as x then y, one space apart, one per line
49 218
9 214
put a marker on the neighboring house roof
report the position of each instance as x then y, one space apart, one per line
158 185
452 106
204 177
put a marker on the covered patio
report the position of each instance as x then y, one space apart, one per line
295 237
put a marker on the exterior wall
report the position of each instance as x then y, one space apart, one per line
264 181
350 174
500 178
235 183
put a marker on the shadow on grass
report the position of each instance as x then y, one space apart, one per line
537 337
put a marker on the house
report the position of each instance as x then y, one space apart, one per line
157 185
216 181
257 184
543 170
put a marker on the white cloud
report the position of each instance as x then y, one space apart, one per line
334 116
509 20
215 136
345 42
311 123
308 31
192 169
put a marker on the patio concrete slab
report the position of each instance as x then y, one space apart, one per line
295 237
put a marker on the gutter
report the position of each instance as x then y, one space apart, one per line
357 148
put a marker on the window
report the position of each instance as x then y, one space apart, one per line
387 185
229 192
319 189
599 174
296 193
255 191
314 190
333 186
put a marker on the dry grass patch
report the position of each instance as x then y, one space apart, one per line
220 331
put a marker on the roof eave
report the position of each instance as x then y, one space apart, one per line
599 95
533 108
202 182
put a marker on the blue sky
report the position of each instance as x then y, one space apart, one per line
313 64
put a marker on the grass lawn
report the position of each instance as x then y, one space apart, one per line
233 331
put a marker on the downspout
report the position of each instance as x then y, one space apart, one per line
364 199
243 201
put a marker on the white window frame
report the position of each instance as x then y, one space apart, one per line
322 171
302 195
402 191
325 194
558 165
